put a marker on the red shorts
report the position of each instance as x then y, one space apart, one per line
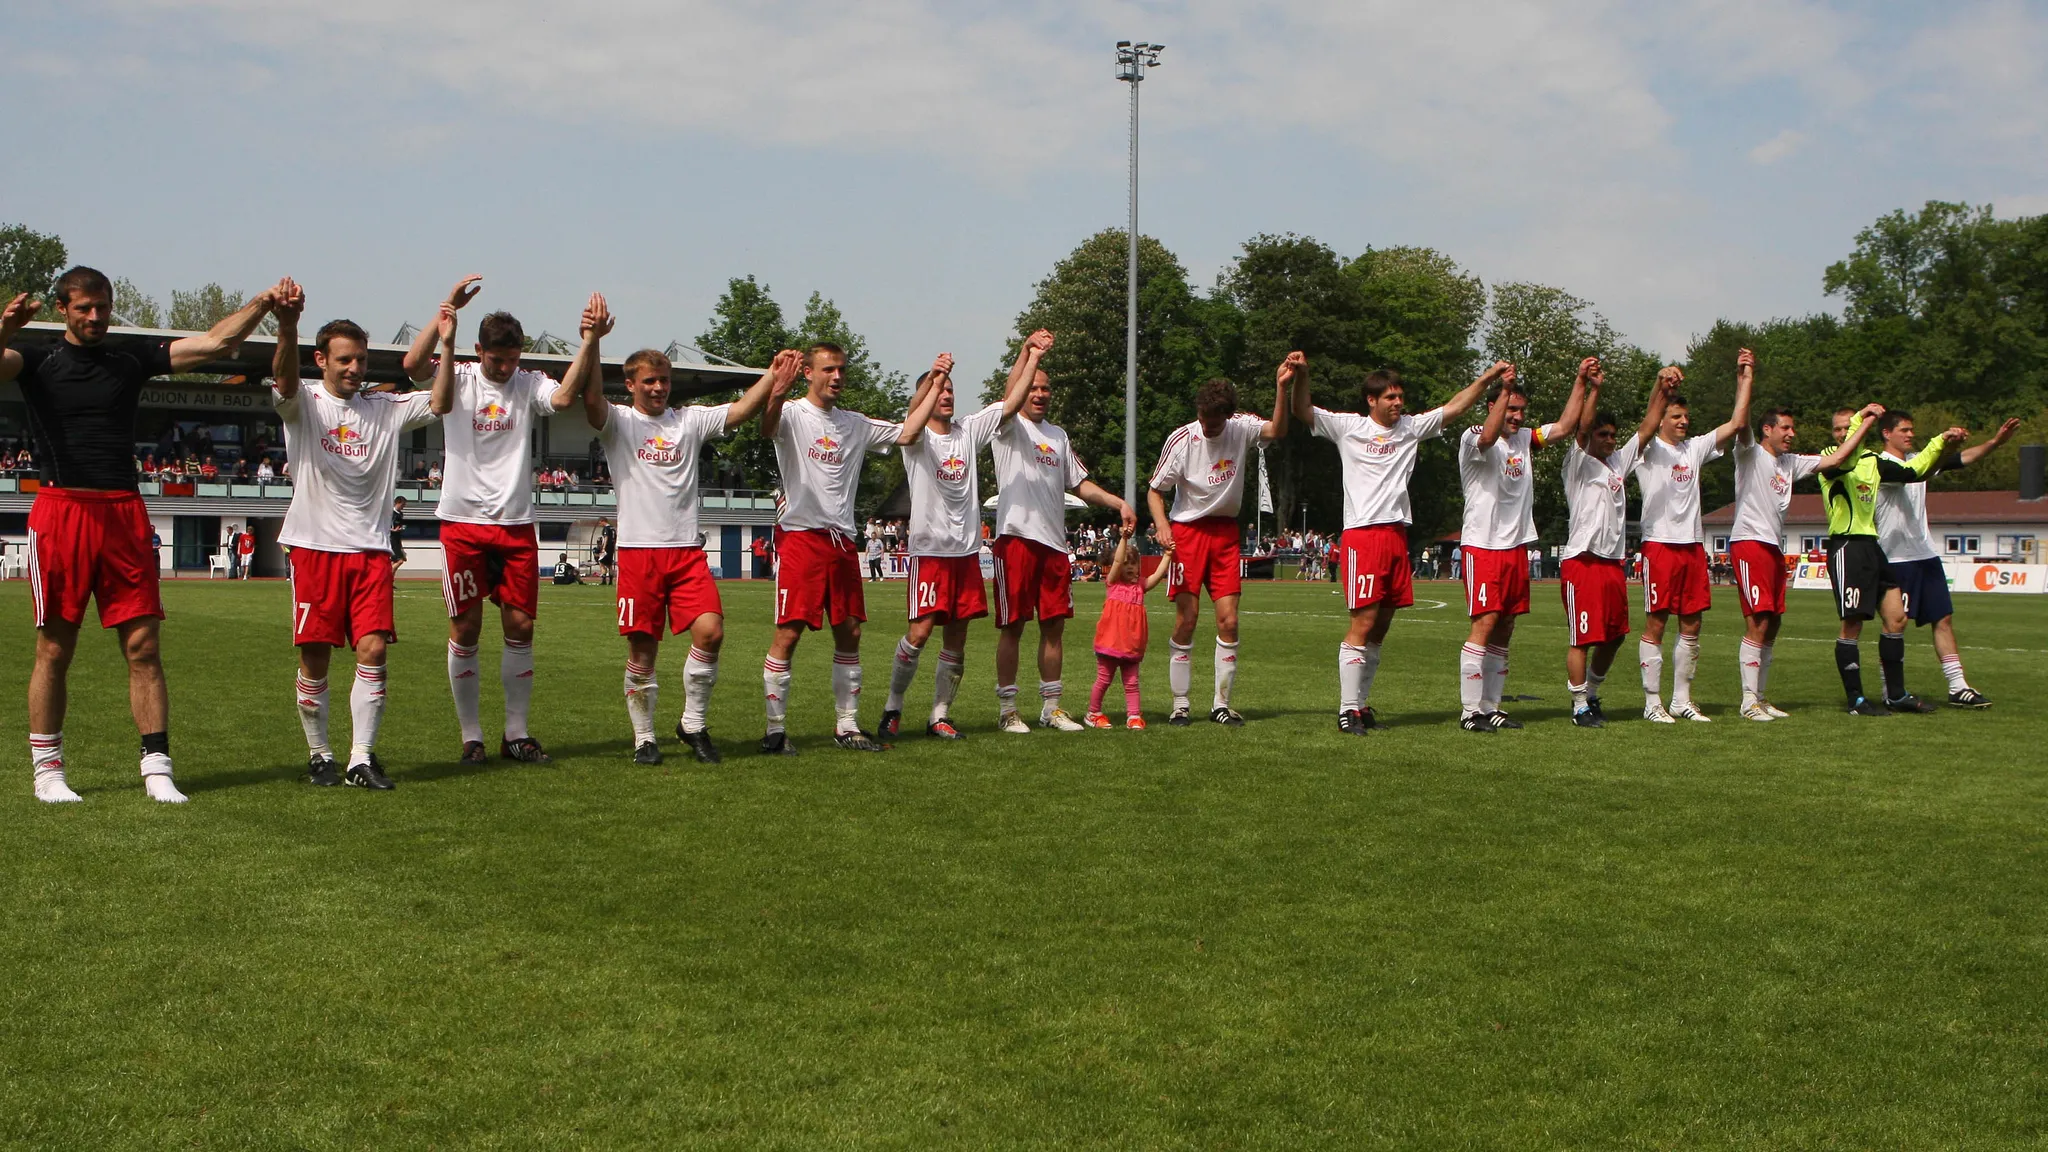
948 586
1496 580
501 561
817 577
1675 578
657 584
1759 576
1031 580
340 597
1595 599
1376 566
1205 551
87 543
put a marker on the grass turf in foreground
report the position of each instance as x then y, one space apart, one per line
1823 931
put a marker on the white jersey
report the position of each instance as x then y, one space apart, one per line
1377 461
1206 476
1500 488
1035 469
344 457
489 435
653 462
945 484
1669 475
818 453
1902 529
1763 490
1596 495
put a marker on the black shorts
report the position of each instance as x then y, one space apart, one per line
1924 585
1859 574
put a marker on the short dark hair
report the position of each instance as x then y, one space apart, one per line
811 353
1216 398
1378 381
1677 401
1842 412
347 329
1512 387
500 330
642 359
1774 416
1892 418
90 281
1604 418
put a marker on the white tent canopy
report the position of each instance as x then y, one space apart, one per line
1073 501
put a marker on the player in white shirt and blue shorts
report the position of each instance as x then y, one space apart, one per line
1203 466
1376 449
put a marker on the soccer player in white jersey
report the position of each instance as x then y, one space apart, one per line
342 442
819 450
1497 469
488 545
1377 449
1674 554
1035 469
1766 468
1915 559
1594 578
1203 467
652 450
945 588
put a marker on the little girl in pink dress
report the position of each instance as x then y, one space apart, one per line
1120 634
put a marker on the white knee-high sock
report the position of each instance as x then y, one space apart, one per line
643 695
1652 658
1372 669
700 675
846 690
775 690
1353 680
1594 680
366 712
515 673
1472 678
946 683
1763 672
1952 669
902 671
464 680
1495 681
313 715
1685 662
1750 663
1226 672
1180 672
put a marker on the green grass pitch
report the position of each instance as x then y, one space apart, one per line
1824 932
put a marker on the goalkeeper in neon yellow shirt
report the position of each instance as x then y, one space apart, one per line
1862 580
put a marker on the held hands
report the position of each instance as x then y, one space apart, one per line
942 366
287 301
1745 365
1591 371
1039 341
1668 379
1956 435
1293 370
1501 370
783 370
19 311
465 290
597 318
444 325
1128 516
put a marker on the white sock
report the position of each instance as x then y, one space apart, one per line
366 712
700 675
1763 672
1352 678
1652 658
47 753
1594 680
464 680
1006 698
1751 665
775 689
1472 678
902 671
1372 669
1579 694
846 690
1494 685
156 779
515 673
313 716
1687 662
1226 672
1180 672
643 695
1049 692
1952 667
947 682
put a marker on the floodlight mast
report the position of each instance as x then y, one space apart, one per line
1131 62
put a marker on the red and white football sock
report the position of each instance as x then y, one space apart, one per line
643 695
902 671
1353 679
946 683
1226 672
1751 661
1472 679
366 712
515 674
463 682
846 690
47 754
1652 659
700 675
312 696
775 691
1952 668
1494 684
1180 672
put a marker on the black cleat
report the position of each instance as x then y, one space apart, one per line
1179 718
700 745
1226 717
1867 707
891 725
1599 713
526 750
1372 719
1969 698
473 752
1477 722
858 741
944 730
1911 704
322 773
1587 718
648 753
369 774
1352 722
1502 722
777 744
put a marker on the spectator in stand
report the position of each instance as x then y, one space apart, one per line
242 470
889 537
264 472
434 475
173 472
419 472
209 471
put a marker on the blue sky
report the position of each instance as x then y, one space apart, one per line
925 164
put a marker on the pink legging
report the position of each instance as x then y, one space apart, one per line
1107 666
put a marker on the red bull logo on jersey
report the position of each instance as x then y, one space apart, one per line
1047 455
659 448
344 440
1221 471
953 469
1681 475
825 450
1380 445
1780 483
492 417
1514 466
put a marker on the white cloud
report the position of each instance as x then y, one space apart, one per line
1778 147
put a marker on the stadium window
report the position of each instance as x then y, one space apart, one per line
1810 543
2013 546
1972 545
1953 545
1720 543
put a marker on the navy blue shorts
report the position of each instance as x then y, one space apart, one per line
1924 585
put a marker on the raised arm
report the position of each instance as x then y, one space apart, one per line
1977 452
1159 570
284 365
1738 420
1304 405
1018 386
1575 413
926 399
771 413
1496 413
419 357
1293 374
1462 403
1853 442
442 399
1093 493
1924 463
227 336
1660 399
774 383
1589 405
13 318
595 326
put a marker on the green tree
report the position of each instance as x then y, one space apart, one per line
868 389
203 307
747 328
30 262
135 308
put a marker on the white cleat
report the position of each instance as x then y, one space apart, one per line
1058 720
1656 714
51 789
1757 712
1687 711
161 790
1010 722
1773 709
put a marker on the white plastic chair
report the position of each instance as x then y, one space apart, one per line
219 563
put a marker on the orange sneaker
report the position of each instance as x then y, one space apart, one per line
1135 723
1097 720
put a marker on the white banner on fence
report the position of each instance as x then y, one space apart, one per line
1969 576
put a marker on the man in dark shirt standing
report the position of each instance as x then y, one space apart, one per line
89 535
